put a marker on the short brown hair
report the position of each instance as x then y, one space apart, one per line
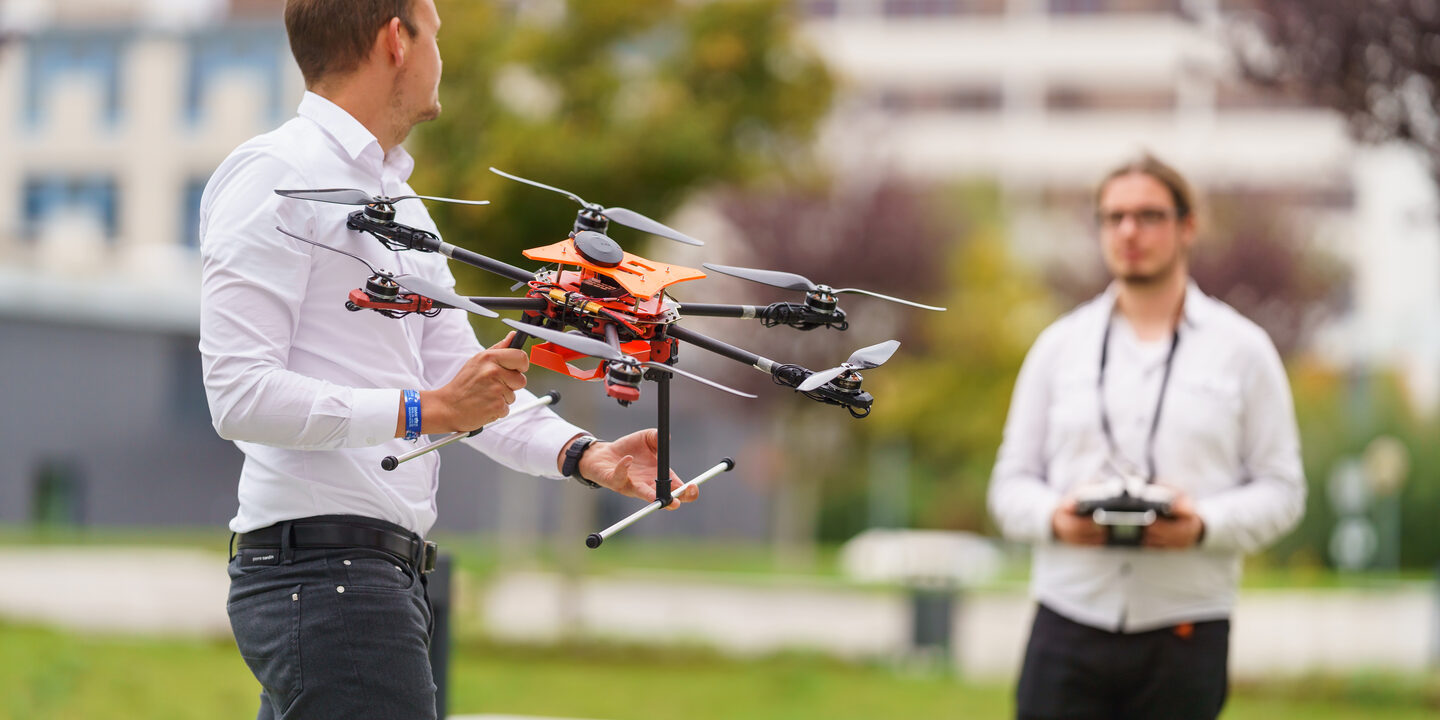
1171 178
329 37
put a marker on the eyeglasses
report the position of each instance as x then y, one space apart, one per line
1144 217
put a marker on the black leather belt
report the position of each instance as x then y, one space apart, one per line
333 532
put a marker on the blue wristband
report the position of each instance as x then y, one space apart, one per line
412 414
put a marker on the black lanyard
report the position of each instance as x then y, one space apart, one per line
1159 401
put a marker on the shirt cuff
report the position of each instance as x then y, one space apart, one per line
1044 529
1213 520
372 416
542 454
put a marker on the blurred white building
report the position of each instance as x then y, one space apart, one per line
115 114
1046 95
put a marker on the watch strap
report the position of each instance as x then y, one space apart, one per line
571 466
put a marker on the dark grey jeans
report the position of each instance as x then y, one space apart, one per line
333 633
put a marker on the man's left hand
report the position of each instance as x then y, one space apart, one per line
628 466
1180 529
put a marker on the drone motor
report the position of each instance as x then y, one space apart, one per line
380 212
622 382
382 288
587 220
822 300
848 383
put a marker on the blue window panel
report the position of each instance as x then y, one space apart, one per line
257 50
190 222
53 55
48 197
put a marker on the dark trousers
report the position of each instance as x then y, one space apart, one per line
333 633
1078 672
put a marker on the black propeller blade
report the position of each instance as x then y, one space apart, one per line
350 196
606 351
628 218
791 281
413 283
862 359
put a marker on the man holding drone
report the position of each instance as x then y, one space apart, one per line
315 395
1151 441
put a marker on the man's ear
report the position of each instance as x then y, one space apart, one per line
1189 228
392 42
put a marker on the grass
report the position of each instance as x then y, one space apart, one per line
52 675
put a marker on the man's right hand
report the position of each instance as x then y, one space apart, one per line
1075 529
479 394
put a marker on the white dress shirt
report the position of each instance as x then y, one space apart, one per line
1226 436
308 390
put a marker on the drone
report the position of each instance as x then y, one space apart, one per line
592 299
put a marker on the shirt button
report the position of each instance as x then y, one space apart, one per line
347 562
339 588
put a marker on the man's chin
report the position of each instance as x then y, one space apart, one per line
1136 277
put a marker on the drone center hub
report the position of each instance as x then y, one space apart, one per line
597 249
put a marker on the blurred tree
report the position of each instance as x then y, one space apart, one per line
630 103
947 395
882 234
1323 404
1376 61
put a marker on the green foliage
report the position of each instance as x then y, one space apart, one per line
950 391
623 102
1338 417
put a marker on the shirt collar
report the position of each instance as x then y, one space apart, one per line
353 137
1197 304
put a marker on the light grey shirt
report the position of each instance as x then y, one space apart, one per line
308 390
1226 436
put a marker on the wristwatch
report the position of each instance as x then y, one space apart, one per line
571 467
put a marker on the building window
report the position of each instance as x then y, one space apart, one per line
57 58
1083 7
934 8
1077 99
964 99
820 8
53 199
190 221
254 51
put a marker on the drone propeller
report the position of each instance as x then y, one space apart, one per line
606 351
863 359
413 283
791 281
628 218
348 196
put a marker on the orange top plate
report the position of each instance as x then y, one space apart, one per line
640 277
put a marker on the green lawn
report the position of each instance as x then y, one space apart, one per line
53 675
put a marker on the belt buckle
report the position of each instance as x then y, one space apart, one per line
427 557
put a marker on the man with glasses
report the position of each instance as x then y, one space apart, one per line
1155 387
